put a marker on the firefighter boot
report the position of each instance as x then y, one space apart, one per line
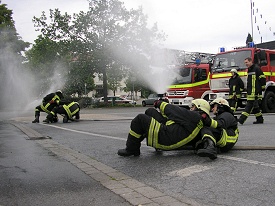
209 149
36 120
65 119
132 147
49 118
259 120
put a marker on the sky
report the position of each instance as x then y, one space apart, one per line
191 25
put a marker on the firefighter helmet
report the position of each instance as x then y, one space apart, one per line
220 101
59 93
234 71
202 104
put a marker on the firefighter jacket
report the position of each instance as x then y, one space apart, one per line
255 82
182 126
71 109
227 124
49 102
236 86
68 108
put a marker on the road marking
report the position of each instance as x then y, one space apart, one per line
247 161
87 133
189 171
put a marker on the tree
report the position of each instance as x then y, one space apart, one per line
107 33
9 38
53 64
248 39
13 75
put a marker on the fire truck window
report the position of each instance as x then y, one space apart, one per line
203 74
272 59
200 75
183 76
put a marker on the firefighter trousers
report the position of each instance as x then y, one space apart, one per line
164 137
252 107
233 103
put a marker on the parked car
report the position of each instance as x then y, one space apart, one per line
150 100
117 100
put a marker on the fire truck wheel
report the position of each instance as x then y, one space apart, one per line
268 104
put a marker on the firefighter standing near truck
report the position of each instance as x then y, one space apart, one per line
256 81
48 103
171 128
224 126
236 87
69 111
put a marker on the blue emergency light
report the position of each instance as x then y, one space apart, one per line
198 61
251 44
222 49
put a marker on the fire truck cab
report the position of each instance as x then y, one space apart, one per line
226 60
192 80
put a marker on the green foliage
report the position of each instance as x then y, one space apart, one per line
48 62
9 38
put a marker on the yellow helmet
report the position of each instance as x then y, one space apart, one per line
220 101
202 104
234 71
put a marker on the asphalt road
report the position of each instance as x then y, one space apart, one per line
240 177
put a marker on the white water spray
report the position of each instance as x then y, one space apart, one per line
161 72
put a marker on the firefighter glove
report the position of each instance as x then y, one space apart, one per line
206 120
157 103
52 102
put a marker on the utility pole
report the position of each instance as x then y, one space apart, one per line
251 8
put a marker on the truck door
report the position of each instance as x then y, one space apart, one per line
200 85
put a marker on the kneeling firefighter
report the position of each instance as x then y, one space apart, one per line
69 111
49 102
224 126
171 128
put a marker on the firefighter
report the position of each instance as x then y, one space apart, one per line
69 111
224 126
48 103
236 87
255 86
171 127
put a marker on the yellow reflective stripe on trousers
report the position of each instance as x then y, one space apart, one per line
209 136
153 133
153 137
245 114
228 139
134 134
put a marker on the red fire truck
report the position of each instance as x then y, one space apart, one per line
226 60
192 79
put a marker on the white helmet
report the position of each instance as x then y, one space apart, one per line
220 101
234 71
202 104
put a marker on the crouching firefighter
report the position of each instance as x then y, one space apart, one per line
224 126
49 102
69 111
171 128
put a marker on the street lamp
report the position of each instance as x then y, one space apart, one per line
133 82
85 89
